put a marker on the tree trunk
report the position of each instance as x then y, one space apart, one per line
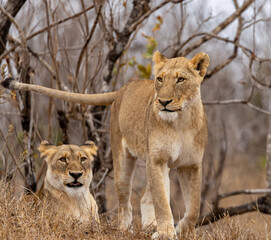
13 7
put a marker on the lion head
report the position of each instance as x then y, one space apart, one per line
177 83
69 166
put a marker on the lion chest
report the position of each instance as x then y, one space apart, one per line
173 147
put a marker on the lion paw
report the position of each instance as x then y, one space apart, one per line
185 228
164 236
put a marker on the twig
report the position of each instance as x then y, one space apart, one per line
235 50
42 61
134 25
102 179
87 41
237 101
52 47
45 29
12 157
59 22
215 31
252 75
256 21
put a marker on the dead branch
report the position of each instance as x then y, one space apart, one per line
12 157
117 46
262 204
237 101
261 83
245 192
135 24
215 31
16 41
52 48
235 42
102 178
87 41
24 70
7 52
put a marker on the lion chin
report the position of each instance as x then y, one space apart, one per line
168 116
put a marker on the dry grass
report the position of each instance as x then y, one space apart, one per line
20 219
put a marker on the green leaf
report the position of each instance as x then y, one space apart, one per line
145 71
141 68
151 46
132 61
147 55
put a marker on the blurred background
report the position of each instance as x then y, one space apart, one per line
98 46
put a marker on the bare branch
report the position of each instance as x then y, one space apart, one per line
42 61
235 42
134 25
102 178
237 101
245 191
253 76
215 31
262 204
12 156
7 52
87 41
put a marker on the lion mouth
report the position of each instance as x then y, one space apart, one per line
74 184
168 110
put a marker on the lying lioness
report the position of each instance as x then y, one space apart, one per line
68 178
161 121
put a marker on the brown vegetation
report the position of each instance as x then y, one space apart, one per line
20 219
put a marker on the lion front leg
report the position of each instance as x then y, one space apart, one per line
158 181
190 181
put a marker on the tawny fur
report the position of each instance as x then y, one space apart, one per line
162 122
62 162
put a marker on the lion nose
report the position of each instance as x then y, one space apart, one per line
165 103
76 175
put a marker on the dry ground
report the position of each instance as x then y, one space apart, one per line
20 219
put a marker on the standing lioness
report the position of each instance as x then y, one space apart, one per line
162 122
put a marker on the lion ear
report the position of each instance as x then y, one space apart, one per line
46 149
158 57
89 148
200 63
159 60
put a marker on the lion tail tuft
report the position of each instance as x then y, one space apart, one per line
9 83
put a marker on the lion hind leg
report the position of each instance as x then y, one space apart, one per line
147 210
123 176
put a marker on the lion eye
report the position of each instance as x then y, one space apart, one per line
63 160
180 80
159 79
83 159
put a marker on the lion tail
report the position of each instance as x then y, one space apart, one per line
101 99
